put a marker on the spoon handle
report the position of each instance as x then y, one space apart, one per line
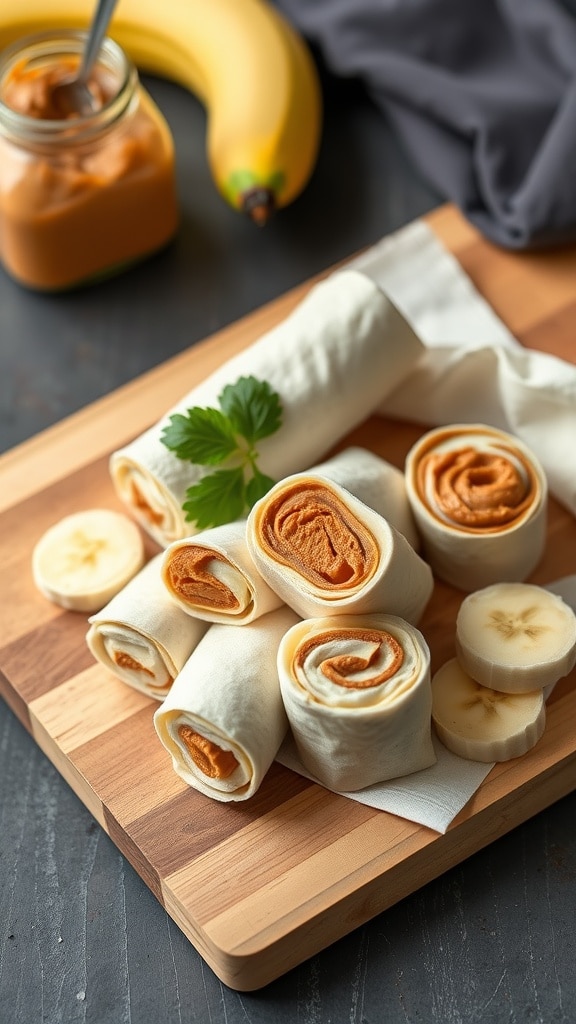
96 34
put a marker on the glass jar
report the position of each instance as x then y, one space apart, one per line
80 196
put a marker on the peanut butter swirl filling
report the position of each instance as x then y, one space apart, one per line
309 529
486 488
349 670
143 506
126 661
211 759
352 665
154 507
357 694
190 575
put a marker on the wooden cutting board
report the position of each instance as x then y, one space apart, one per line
261 886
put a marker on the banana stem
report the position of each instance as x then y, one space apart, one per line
259 203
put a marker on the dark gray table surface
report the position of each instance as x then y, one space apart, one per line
81 937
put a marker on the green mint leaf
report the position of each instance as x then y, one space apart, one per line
253 408
257 486
203 436
216 499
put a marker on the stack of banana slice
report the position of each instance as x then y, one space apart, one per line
513 642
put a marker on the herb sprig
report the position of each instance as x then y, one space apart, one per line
227 437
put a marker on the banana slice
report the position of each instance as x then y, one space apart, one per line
86 558
516 637
482 724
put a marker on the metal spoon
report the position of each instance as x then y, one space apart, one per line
73 95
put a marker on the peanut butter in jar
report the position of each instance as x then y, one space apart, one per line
81 197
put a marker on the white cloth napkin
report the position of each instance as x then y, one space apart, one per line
472 369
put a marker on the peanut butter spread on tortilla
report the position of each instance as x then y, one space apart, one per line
477 489
307 527
338 669
124 660
190 578
139 502
208 757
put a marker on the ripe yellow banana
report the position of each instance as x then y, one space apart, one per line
245 63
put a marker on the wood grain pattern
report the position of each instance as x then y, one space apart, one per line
261 886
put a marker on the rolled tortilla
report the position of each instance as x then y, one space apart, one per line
326 553
479 497
358 697
223 720
332 361
142 636
212 576
374 481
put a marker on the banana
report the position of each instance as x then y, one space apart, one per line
482 724
515 637
251 70
86 558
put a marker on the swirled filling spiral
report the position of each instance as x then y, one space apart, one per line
135 658
206 579
309 529
125 661
476 483
211 759
356 666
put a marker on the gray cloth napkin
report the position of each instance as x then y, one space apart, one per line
482 94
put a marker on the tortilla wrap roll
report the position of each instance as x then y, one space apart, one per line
358 697
142 636
326 553
479 497
223 720
212 575
332 361
374 481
